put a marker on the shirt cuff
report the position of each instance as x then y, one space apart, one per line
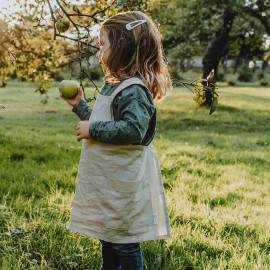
79 106
92 132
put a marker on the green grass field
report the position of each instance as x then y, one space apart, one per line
215 172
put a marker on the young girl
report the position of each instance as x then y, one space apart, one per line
119 195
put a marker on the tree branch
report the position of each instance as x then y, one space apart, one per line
256 14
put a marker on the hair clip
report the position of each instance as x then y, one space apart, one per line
134 24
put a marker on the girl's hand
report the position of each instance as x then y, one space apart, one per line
76 100
82 130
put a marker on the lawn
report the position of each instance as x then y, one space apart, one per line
215 172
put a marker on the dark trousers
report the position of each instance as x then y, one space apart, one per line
121 256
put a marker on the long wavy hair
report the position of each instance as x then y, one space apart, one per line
136 51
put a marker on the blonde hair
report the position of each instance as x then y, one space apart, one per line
136 51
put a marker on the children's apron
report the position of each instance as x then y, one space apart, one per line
119 196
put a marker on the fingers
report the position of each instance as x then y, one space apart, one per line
82 130
64 98
79 135
79 132
79 138
80 91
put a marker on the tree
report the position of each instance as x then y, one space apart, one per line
211 27
33 48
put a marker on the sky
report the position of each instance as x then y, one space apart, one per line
11 6
8 4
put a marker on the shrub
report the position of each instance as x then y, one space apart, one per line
245 74
260 75
95 72
57 76
221 76
264 83
174 72
231 83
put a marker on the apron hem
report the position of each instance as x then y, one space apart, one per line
98 236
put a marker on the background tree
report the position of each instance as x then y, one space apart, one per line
209 28
34 49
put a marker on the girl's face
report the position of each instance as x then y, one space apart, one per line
104 47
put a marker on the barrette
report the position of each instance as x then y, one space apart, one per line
134 24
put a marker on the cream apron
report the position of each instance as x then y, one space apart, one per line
119 196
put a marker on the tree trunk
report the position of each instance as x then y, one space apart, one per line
215 48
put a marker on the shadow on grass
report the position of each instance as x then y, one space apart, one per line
227 120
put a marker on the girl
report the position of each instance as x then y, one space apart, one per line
119 195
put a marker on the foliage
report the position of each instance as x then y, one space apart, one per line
33 57
221 76
260 74
231 83
245 74
215 29
216 183
204 91
264 83
32 47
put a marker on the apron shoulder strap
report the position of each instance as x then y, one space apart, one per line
152 124
126 83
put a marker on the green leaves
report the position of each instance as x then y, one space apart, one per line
213 105
202 88
121 2
199 97
76 9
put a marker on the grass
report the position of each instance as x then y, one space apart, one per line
215 172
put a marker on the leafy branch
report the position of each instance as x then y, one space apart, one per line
85 46
201 88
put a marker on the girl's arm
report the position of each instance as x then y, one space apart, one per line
83 110
79 105
133 109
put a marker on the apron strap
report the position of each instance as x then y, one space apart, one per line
126 83
149 136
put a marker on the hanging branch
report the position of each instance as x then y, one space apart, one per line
200 87
82 31
41 18
96 88
78 42
11 54
79 39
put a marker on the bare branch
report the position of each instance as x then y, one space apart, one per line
78 41
96 90
41 13
54 20
86 15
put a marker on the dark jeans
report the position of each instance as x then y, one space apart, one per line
121 256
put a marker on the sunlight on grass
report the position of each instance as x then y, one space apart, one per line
215 173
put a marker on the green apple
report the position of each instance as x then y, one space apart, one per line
62 25
68 88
